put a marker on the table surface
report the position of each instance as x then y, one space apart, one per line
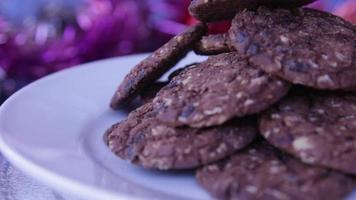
14 185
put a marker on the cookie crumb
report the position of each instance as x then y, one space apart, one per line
251 189
302 143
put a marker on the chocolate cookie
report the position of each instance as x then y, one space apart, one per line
262 172
303 46
213 45
319 128
217 90
216 10
146 141
153 67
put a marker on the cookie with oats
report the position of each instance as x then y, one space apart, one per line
154 66
303 46
216 10
212 92
319 128
262 172
144 140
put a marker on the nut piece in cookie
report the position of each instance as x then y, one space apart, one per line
213 45
217 10
262 172
153 67
217 90
318 128
303 46
144 140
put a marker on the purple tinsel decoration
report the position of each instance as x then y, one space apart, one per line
49 35
38 37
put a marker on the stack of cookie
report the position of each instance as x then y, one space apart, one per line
271 114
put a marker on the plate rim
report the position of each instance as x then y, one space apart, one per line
46 176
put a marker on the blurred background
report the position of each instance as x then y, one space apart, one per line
39 37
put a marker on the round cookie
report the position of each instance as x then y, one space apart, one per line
153 67
262 172
319 128
213 45
146 141
215 91
216 10
303 46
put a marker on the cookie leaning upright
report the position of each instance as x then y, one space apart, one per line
319 128
215 91
216 10
303 46
153 67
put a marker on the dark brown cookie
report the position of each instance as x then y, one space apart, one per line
303 46
153 67
263 173
213 45
319 128
217 90
146 141
216 10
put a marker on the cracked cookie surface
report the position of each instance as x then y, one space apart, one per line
303 46
262 172
146 141
319 128
217 90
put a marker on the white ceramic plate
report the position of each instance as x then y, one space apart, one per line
53 130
